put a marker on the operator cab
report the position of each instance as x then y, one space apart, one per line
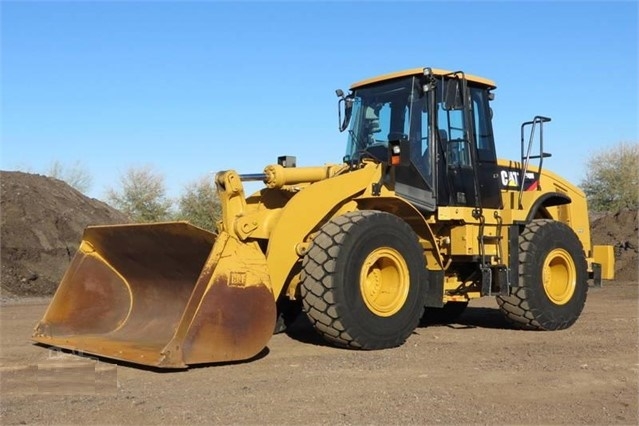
439 124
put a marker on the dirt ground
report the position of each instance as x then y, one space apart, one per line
477 370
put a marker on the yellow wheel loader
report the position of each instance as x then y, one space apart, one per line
419 218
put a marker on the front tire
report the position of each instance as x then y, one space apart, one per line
552 278
364 281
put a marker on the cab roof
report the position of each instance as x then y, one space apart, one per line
419 71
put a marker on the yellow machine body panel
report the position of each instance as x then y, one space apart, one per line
417 71
605 256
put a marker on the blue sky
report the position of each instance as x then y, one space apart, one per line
193 88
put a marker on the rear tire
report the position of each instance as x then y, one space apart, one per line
552 278
363 281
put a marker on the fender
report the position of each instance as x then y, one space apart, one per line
411 215
547 200
306 211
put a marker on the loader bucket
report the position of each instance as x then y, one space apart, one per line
164 295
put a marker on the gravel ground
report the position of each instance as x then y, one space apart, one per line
477 370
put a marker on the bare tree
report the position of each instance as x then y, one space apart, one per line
76 175
612 178
199 203
142 195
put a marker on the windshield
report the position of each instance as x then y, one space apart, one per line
393 111
382 113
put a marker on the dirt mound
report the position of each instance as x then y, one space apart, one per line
42 223
620 230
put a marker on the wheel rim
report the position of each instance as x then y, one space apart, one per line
384 281
559 276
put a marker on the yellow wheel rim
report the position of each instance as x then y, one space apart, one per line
559 276
384 281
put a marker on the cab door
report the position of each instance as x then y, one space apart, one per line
487 170
466 159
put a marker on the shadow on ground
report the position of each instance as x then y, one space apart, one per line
481 318
116 362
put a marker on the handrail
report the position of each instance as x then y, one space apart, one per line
525 159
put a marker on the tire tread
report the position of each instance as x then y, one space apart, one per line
319 287
518 308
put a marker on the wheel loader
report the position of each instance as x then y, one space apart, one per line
418 218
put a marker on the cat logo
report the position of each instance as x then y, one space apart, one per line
510 178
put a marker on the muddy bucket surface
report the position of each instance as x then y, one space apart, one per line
160 294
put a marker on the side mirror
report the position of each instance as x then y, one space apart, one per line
345 102
453 99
